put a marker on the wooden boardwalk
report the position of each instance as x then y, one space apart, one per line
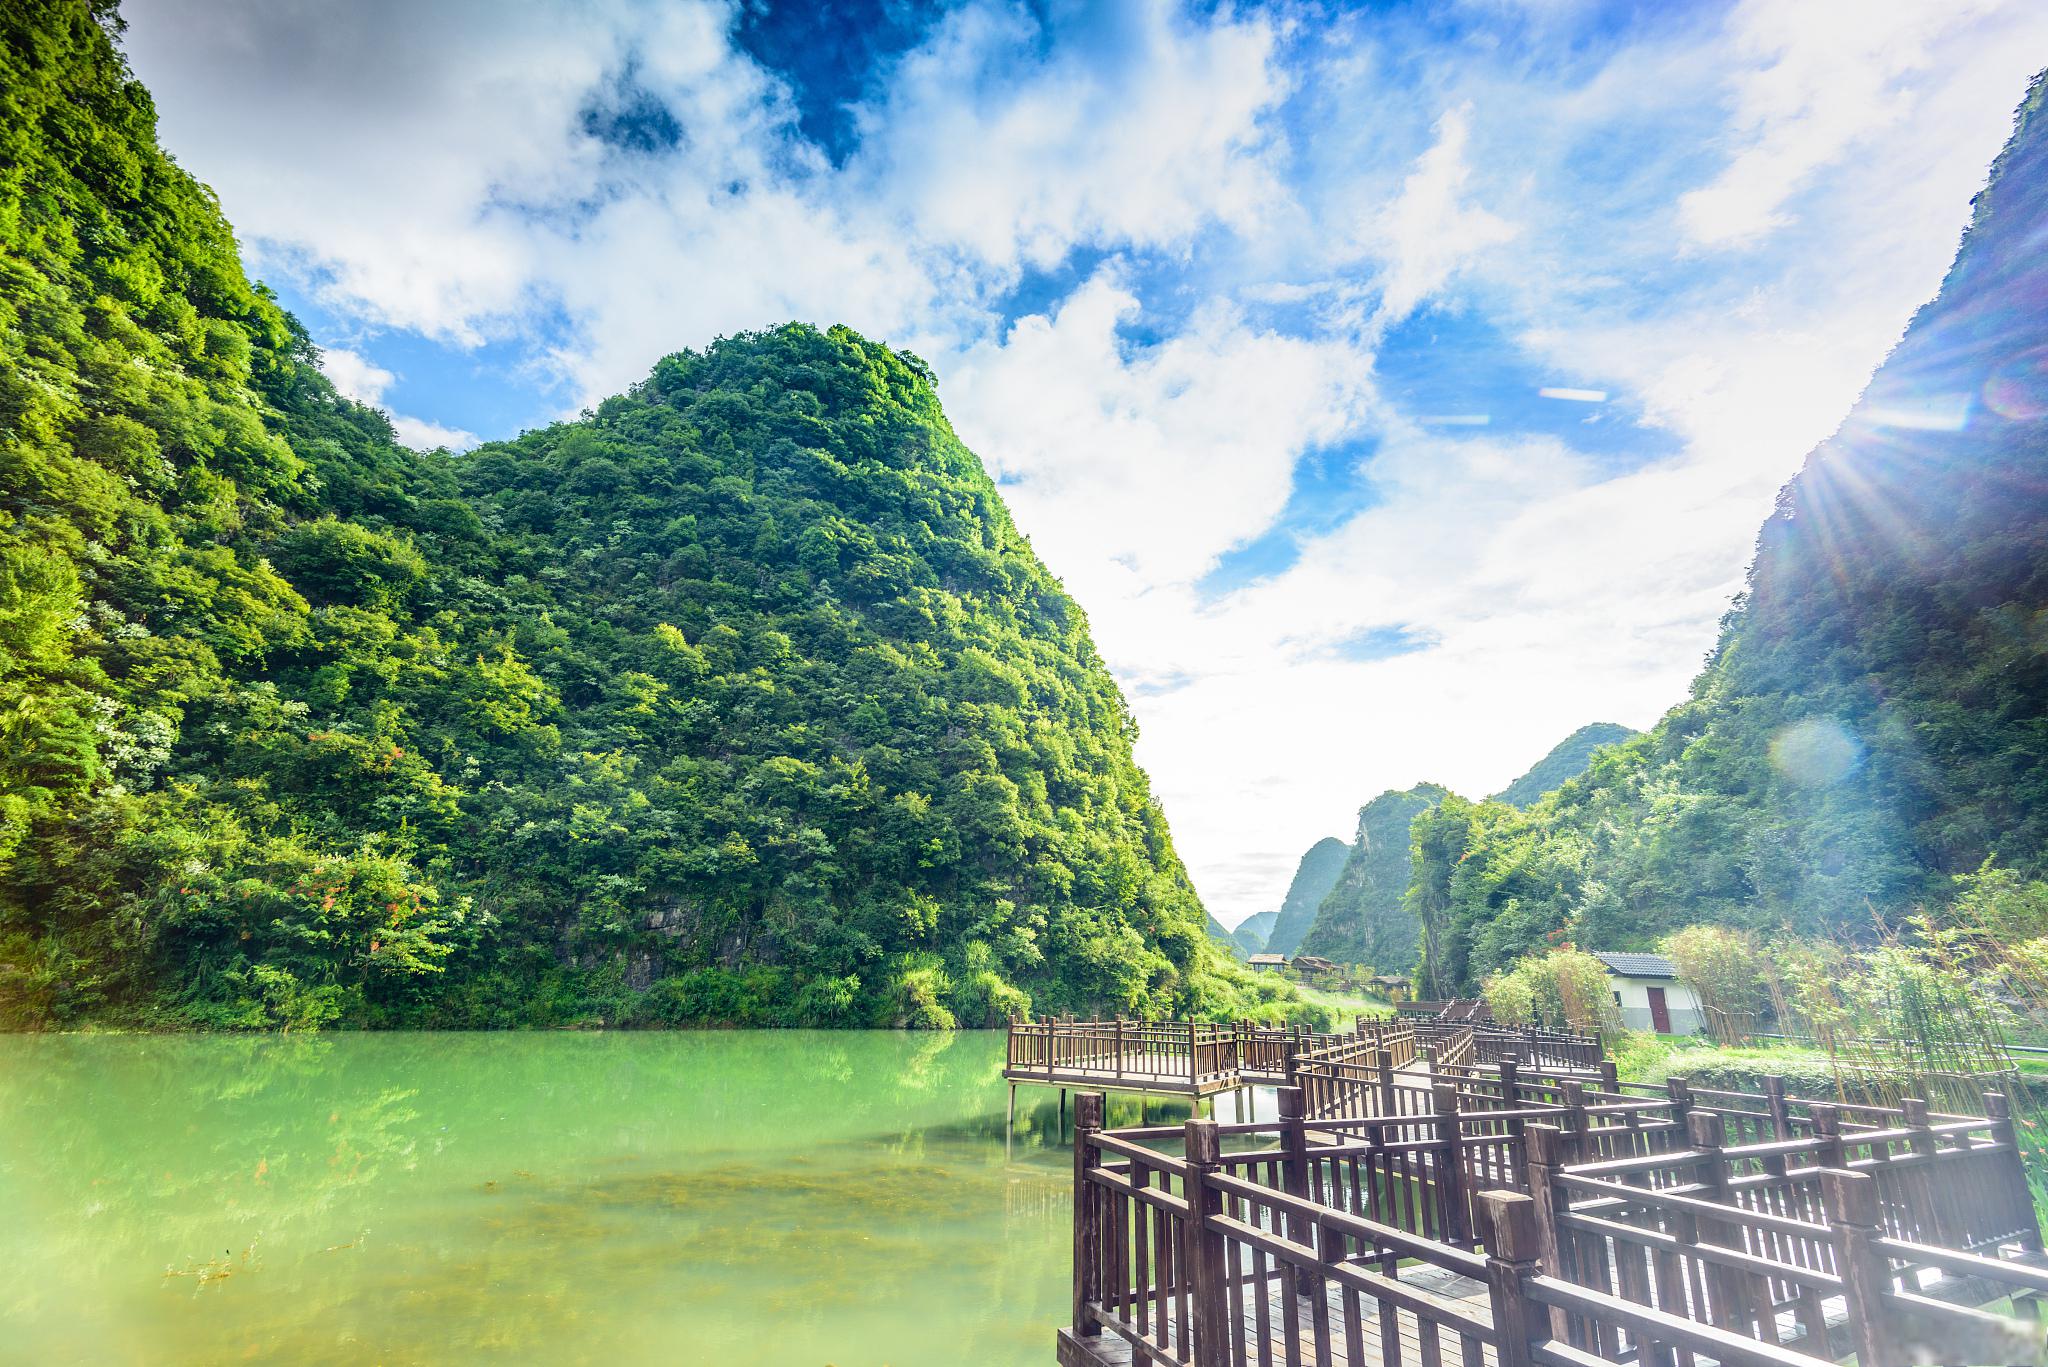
1420 1340
1463 1209
1201 1059
1136 1072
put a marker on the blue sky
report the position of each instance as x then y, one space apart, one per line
1398 387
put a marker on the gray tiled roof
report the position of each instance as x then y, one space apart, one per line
1639 965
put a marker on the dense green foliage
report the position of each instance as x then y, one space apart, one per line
1874 721
1364 918
1314 876
739 700
1565 762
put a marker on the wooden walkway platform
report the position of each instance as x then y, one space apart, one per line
1463 1210
1423 1341
1420 1340
1137 1072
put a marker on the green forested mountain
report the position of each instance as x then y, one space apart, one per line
1364 918
739 700
1874 720
1253 930
1223 936
1566 761
1314 876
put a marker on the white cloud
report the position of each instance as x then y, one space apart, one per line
361 379
1139 466
1814 80
426 436
991 146
356 375
1431 231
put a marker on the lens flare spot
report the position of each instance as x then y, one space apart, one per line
1816 752
2018 389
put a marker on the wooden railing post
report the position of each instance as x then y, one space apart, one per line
1383 1060
1573 1093
1999 1110
1850 1199
1119 1046
1294 1141
1294 1176
1449 1157
1208 1276
1774 1102
1507 1222
1707 1133
1929 1207
1194 1067
1610 1076
1545 1151
1511 1100
1088 1222
1679 1090
1828 1150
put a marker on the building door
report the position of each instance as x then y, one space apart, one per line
1660 1012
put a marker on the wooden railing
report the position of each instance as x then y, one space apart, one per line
1199 1054
1185 1051
1457 1050
1751 1237
1612 1222
1258 1256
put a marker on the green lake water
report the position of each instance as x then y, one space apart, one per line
749 1197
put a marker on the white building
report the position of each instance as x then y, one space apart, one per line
1647 990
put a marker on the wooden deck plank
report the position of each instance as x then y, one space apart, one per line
1109 1349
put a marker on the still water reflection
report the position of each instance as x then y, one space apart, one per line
783 1197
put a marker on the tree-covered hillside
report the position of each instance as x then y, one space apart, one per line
1314 876
1874 720
1364 918
1566 761
1252 931
739 700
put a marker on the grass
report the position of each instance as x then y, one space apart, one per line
1345 1007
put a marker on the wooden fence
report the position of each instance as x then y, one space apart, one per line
1198 1054
1752 1237
1202 1057
1493 1218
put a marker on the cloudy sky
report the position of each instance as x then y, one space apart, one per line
1398 388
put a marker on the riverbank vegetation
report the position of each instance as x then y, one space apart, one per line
1938 1002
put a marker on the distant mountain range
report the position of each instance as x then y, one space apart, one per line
1348 902
1362 919
1314 876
